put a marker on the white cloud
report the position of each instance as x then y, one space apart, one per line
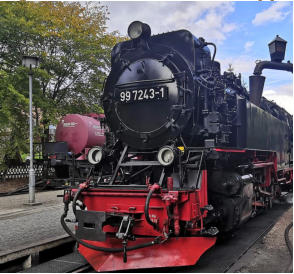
283 101
275 13
282 95
206 19
286 89
269 92
241 64
248 45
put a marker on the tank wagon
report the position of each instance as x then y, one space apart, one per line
77 147
196 155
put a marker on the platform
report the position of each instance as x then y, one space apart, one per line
22 225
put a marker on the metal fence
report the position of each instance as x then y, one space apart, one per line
22 171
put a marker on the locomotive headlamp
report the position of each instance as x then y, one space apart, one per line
166 155
138 29
95 155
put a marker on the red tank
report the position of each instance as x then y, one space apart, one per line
80 131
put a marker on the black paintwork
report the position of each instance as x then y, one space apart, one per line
204 107
266 132
163 62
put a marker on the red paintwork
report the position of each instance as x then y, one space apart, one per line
181 251
170 183
203 200
176 251
258 204
268 176
80 132
133 201
262 164
230 150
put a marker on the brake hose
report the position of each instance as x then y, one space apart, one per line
146 208
97 248
74 202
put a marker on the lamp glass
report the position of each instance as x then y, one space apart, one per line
165 156
280 47
272 48
135 29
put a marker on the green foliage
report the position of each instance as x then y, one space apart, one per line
13 127
74 49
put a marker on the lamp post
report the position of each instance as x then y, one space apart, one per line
31 62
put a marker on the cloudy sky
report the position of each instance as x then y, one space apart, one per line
241 31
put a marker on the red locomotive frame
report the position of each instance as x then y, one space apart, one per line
131 202
186 250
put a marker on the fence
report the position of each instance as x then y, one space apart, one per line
22 171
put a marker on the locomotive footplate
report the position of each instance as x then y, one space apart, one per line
90 225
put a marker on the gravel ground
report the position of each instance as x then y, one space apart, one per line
21 225
270 254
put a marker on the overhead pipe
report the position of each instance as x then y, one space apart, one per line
272 65
277 50
256 81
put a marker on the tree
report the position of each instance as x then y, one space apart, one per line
13 128
71 39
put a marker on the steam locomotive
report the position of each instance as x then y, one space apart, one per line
194 157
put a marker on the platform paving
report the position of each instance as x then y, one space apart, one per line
22 225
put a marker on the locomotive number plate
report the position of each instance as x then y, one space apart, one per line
144 94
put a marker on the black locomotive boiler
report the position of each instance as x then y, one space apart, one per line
194 156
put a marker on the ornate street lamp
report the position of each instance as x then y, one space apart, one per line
31 62
277 49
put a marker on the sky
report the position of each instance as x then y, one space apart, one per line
240 29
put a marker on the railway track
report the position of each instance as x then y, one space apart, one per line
223 255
